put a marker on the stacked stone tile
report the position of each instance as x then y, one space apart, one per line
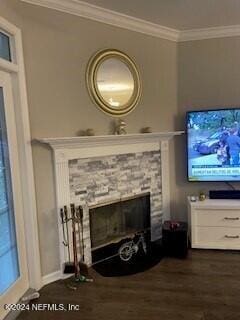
97 180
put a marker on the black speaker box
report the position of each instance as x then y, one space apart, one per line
224 194
175 241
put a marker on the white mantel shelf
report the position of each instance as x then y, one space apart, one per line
91 141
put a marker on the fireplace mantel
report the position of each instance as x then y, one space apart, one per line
72 148
91 141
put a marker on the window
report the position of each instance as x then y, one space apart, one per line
5 47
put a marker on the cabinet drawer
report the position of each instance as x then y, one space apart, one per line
216 237
216 218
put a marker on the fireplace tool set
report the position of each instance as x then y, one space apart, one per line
74 222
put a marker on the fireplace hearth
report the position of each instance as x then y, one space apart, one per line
140 262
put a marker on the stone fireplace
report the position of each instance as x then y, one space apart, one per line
93 171
94 181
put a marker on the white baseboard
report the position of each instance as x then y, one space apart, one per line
54 276
51 277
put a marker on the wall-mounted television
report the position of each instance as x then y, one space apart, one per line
213 145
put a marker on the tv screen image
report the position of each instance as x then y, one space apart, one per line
213 145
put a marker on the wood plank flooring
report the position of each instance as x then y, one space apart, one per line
205 286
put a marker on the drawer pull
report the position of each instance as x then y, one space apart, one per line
231 237
228 218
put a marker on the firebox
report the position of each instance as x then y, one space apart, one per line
112 222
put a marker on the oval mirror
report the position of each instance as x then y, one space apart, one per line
113 82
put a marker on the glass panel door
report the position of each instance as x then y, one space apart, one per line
13 265
8 246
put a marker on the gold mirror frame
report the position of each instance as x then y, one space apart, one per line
91 79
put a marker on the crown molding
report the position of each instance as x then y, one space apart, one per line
209 33
89 11
96 13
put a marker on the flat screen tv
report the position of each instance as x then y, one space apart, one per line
213 145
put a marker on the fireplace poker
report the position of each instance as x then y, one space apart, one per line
81 223
75 257
83 266
78 276
67 233
68 266
63 228
79 232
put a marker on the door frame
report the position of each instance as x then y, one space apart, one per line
16 71
21 284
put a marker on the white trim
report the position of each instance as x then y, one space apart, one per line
12 294
166 178
54 276
96 13
51 277
89 11
8 27
24 138
8 66
94 141
62 198
209 33
28 181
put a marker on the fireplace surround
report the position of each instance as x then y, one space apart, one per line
95 181
87 150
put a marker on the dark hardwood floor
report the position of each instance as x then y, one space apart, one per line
205 286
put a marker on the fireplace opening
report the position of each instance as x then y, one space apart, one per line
112 223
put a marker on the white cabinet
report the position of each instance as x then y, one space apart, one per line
214 224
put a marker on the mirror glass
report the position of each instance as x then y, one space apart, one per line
113 82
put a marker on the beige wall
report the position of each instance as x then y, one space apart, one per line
57 47
208 77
